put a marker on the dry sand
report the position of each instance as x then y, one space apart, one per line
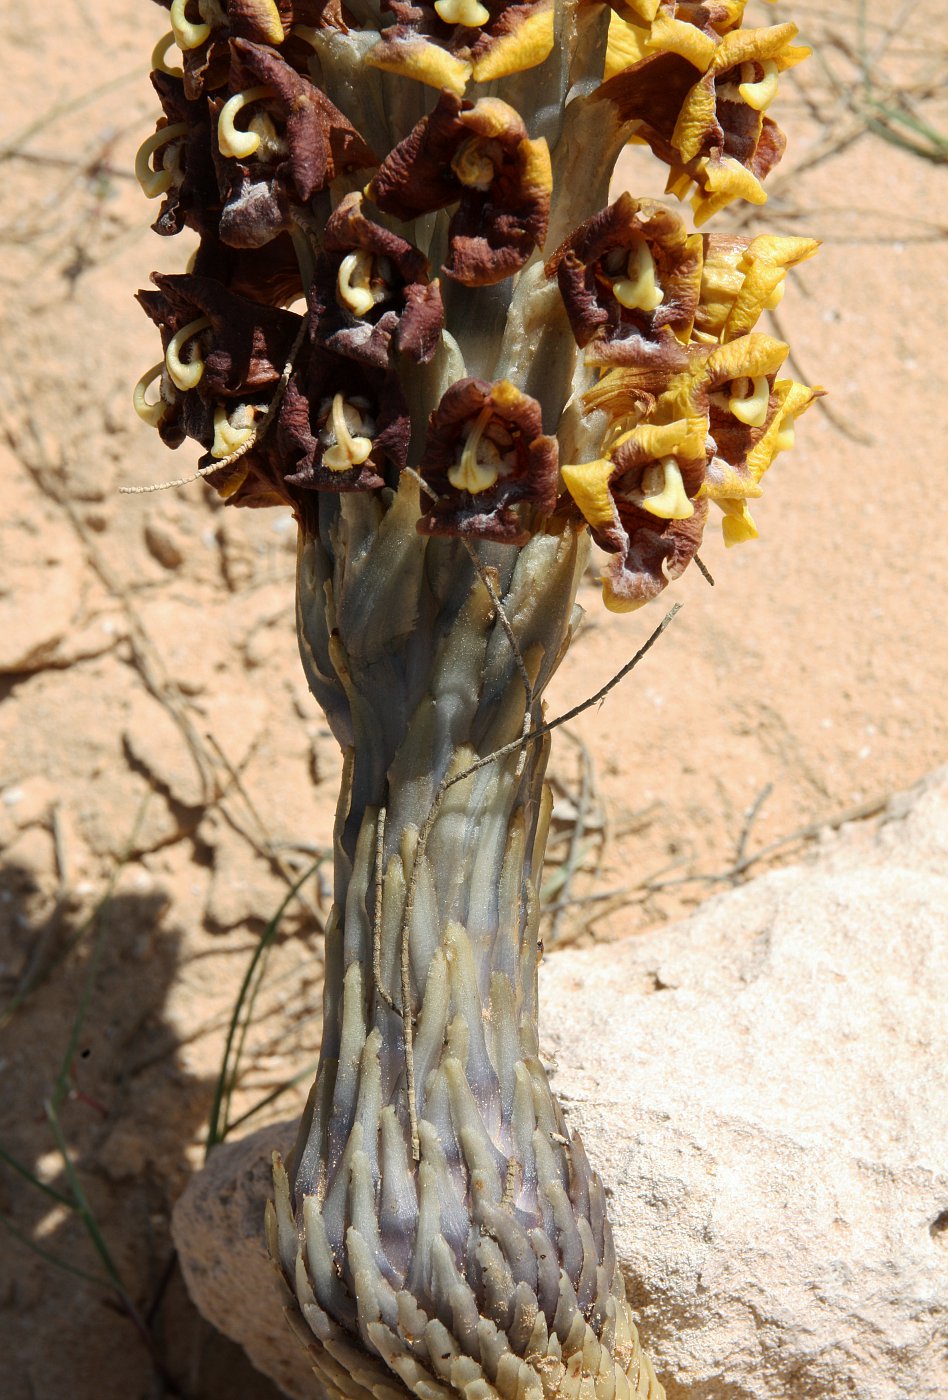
161 761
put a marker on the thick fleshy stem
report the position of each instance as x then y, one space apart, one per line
487 1267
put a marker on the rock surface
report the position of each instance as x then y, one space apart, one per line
762 1087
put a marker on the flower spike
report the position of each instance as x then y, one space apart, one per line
410 301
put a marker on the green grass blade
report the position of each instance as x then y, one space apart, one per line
51 1258
29 1176
218 1126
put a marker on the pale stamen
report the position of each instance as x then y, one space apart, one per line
157 182
231 431
760 93
186 374
186 35
470 13
239 144
272 145
473 163
350 449
749 401
481 462
150 413
159 56
353 283
662 492
639 290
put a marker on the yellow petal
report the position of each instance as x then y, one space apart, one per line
682 438
266 18
749 356
751 407
526 47
426 63
615 604
156 182
232 142
792 400
588 484
747 45
677 36
626 46
645 10
722 181
186 374
471 13
737 524
697 115
760 93
150 413
187 35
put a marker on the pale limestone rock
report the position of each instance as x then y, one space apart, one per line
762 1087
218 1230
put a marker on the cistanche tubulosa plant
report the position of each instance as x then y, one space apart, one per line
414 317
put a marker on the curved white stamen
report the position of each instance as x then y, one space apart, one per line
349 450
662 492
749 402
472 473
228 435
150 413
352 282
639 290
470 13
156 182
159 55
186 374
760 94
186 35
239 144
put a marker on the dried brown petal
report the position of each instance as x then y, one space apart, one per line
477 155
626 275
485 453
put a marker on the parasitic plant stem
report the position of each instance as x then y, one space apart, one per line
414 318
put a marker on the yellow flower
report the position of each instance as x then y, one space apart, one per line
741 278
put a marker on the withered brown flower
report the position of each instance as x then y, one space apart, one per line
341 425
705 434
270 274
371 293
295 144
643 504
627 275
699 99
448 43
744 451
224 357
742 277
478 156
202 29
176 163
485 453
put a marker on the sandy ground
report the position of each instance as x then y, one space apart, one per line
164 773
